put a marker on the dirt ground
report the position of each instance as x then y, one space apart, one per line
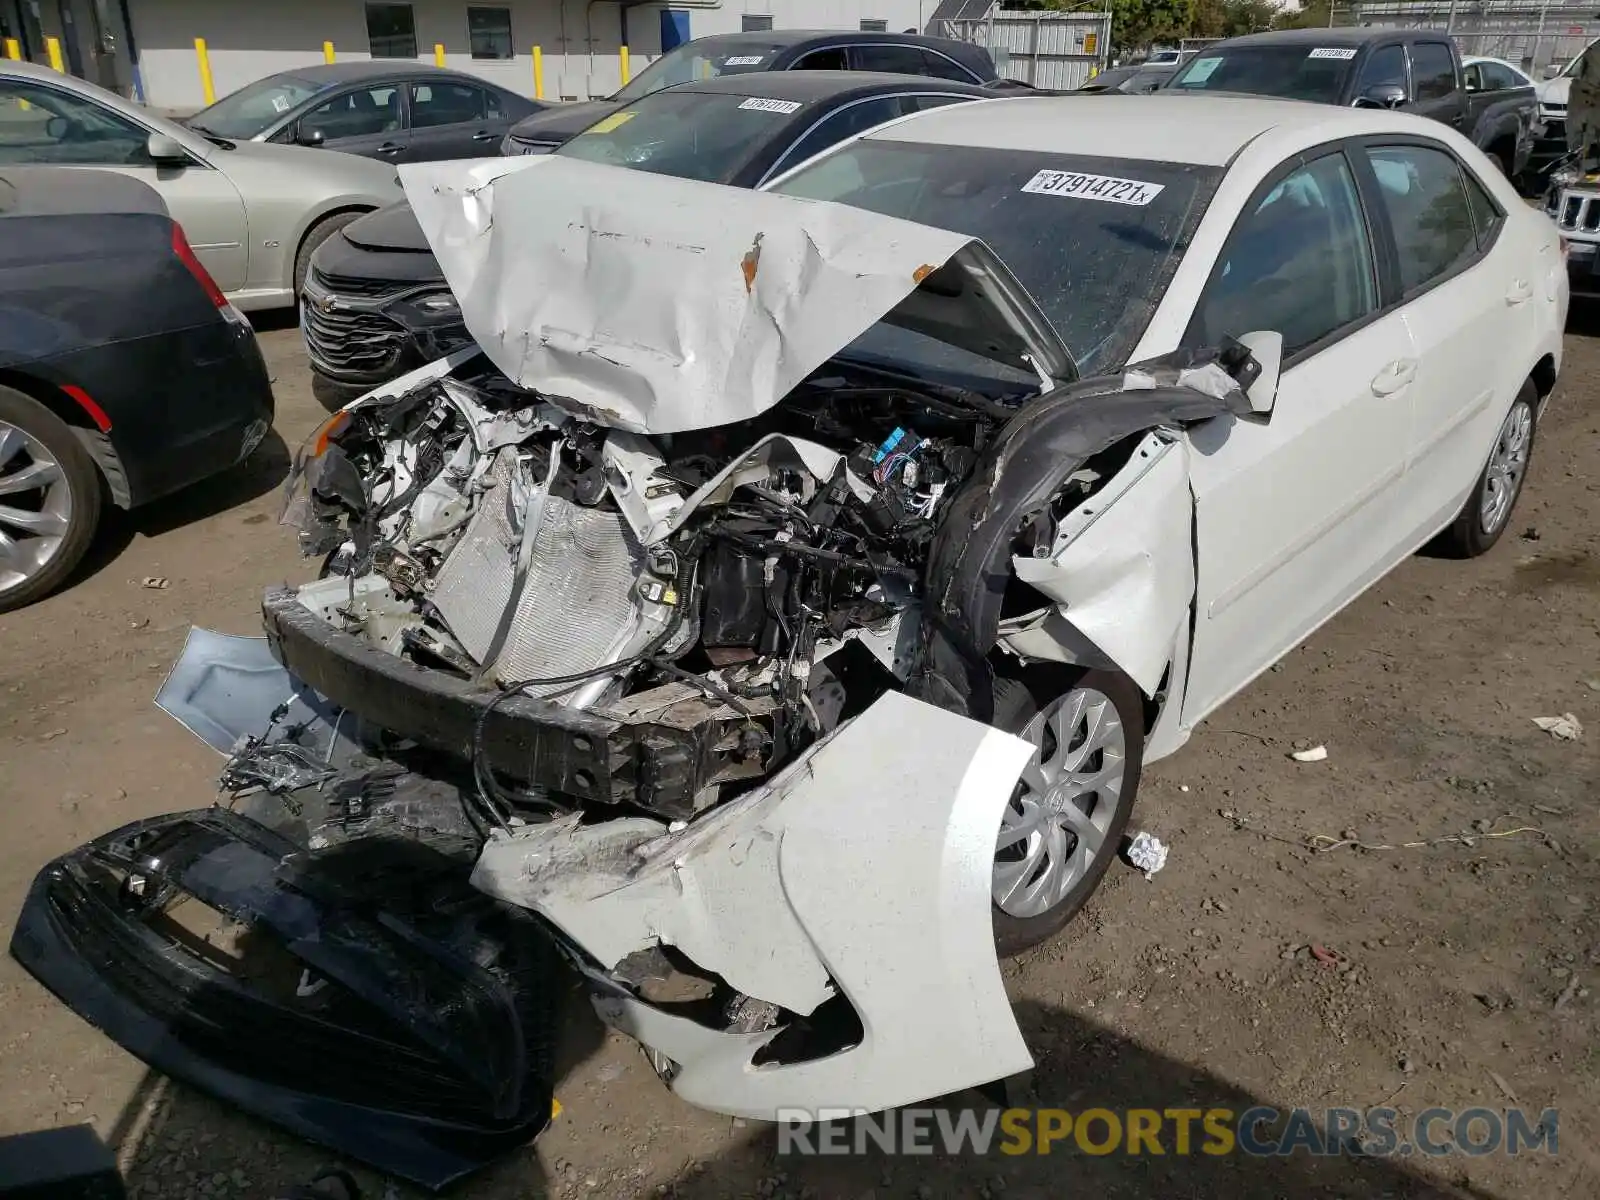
1458 960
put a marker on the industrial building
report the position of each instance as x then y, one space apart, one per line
147 48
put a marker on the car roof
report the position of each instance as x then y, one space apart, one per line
811 86
1320 36
1159 127
351 72
792 38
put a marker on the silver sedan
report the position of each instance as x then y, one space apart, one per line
253 212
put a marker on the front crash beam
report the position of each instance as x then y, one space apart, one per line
371 1001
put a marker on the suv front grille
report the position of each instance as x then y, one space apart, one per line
1579 211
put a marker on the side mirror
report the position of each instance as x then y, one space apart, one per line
164 149
1267 349
1551 70
1382 95
308 136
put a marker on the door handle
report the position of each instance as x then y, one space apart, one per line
483 135
390 148
1520 292
1394 377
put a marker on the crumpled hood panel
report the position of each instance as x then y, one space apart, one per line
655 304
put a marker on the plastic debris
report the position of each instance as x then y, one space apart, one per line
155 583
1148 853
1566 727
1315 754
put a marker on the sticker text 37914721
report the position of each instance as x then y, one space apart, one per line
1107 188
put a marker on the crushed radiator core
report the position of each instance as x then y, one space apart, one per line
576 609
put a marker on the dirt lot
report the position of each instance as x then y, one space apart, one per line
1455 985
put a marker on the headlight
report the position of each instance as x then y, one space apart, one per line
1564 177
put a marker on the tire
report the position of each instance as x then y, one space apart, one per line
1018 923
33 440
1473 532
315 236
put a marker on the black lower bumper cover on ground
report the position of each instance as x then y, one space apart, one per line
366 998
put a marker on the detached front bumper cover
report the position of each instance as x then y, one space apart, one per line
371 1001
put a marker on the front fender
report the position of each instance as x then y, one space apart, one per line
863 870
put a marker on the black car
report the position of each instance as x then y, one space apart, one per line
397 112
127 374
751 53
1131 81
376 304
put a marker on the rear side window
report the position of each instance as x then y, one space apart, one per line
1486 214
897 60
1428 207
940 67
1434 69
847 122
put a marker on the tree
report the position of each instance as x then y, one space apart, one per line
1135 24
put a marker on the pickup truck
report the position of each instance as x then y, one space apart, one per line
1417 70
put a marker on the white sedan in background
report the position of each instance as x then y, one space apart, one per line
848 546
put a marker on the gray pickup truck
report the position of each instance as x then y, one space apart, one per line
1416 70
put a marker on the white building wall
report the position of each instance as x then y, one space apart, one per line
248 39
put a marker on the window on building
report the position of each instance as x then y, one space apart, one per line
489 30
754 24
869 26
391 31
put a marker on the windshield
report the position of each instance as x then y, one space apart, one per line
693 135
256 108
1094 240
1294 72
700 60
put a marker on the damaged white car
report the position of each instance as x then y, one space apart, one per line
781 599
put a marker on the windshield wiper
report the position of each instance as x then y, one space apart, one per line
214 137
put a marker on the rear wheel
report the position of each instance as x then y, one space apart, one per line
1487 511
49 500
1065 821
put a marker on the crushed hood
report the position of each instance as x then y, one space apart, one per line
659 305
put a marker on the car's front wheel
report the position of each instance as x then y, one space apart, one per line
1487 511
1065 821
49 500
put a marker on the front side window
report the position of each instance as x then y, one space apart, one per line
489 32
391 31
1497 77
365 112
1428 210
846 123
1299 263
434 104
1385 67
1094 240
41 125
1434 69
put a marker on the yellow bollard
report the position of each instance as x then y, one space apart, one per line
438 54
627 73
206 85
52 47
538 72
14 49
327 52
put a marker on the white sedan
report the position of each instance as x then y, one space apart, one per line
807 574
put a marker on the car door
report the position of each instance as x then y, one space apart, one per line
368 120
1436 92
1292 512
52 126
1466 299
453 120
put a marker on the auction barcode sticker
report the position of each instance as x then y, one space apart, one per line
1333 52
1093 187
743 60
773 106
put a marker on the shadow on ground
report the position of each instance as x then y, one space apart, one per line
185 1145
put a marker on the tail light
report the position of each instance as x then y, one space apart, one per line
186 255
